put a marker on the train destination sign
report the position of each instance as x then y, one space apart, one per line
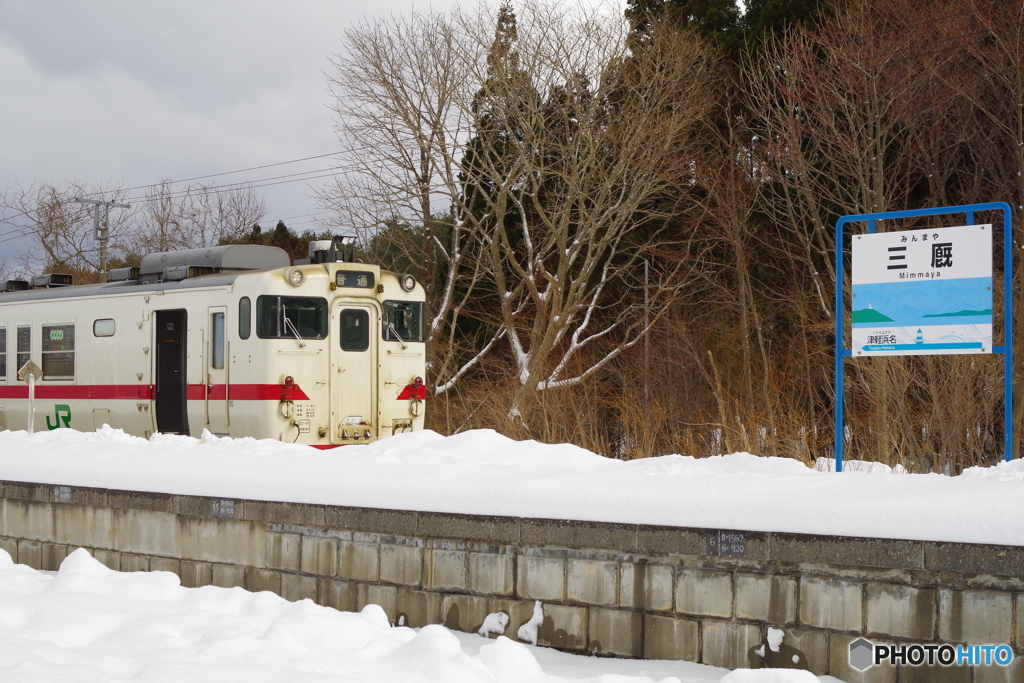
922 292
349 278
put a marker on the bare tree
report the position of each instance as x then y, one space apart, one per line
62 229
876 110
569 192
574 142
991 83
403 90
195 216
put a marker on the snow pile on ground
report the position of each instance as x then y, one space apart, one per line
770 676
829 465
481 472
528 632
495 623
87 623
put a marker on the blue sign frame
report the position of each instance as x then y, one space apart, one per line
1006 348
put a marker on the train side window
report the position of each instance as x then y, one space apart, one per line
3 355
291 317
355 330
217 341
403 321
244 317
104 327
24 346
58 351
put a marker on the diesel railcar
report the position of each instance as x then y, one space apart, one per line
232 339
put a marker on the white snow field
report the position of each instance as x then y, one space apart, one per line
89 624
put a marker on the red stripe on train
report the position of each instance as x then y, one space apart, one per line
248 392
146 392
121 392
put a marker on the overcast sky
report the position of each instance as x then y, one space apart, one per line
137 91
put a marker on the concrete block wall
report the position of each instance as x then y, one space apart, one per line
607 589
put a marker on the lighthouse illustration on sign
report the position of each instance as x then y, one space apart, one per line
919 292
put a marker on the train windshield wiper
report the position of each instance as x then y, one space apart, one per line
391 326
288 323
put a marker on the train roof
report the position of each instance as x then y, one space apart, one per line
166 271
176 270
114 288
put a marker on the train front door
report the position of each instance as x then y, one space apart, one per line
354 371
170 359
217 362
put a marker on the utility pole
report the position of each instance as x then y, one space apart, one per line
100 231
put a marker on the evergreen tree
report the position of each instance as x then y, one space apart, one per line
767 17
719 20
283 237
722 21
502 109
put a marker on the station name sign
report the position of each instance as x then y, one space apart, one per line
922 292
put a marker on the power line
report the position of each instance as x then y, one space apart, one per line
224 173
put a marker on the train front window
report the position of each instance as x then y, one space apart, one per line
355 329
403 321
291 317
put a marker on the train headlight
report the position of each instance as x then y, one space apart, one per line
295 277
408 282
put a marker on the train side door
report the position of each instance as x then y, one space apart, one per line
354 371
217 361
171 383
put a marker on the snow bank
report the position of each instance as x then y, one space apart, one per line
770 676
483 473
89 624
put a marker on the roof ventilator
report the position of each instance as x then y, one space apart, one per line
52 280
177 273
13 286
124 274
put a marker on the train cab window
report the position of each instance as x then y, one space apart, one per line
3 355
58 351
24 346
104 327
355 329
217 342
244 317
291 317
403 321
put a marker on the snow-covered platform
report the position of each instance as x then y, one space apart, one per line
484 473
665 558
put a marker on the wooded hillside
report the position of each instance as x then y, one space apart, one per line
626 223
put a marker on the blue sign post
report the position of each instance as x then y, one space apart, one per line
886 283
